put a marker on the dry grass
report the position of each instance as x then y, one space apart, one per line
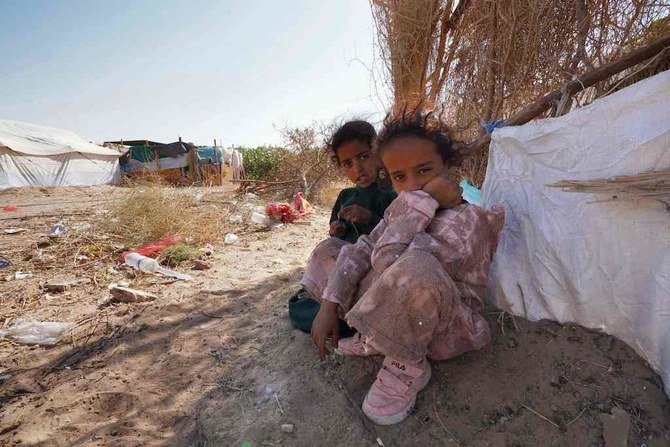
148 214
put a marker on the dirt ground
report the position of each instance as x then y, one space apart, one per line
215 362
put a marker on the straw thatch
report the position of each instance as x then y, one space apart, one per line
483 60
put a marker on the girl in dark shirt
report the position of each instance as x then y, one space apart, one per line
359 209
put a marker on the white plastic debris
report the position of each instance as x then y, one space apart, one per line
266 221
58 230
45 333
22 275
150 265
14 230
235 218
230 238
287 428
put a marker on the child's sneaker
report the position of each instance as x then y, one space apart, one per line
355 346
392 396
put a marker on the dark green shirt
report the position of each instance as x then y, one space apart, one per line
373 198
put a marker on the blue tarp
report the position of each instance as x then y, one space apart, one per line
470 193
210 154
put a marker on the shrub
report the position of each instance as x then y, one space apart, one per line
261 163
149 214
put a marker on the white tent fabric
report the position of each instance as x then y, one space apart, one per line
33 155
31 139
562 257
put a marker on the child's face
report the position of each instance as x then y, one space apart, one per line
358 162
412 162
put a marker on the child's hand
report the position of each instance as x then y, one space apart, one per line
337 228
325 325
445 190
355 214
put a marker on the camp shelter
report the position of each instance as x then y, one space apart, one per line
597 259
32 155
210 165
170 161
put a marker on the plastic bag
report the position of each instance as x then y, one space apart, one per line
45 333
282 211
301 204
155 248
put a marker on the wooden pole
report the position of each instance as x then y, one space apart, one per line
575 86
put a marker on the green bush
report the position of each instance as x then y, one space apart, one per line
261 163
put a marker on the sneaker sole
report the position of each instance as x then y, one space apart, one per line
397 418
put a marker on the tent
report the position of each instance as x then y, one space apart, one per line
32 155
583 257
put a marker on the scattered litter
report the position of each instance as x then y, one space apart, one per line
230 238
198 196
14 230
615 427
22 275
149 265
207 250
287 428
251 196
282 211
46 333
157 247
199 264
10 208
57 230
235 218
4 262
268 390
301 204
266 221
122 294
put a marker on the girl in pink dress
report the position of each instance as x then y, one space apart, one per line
414 288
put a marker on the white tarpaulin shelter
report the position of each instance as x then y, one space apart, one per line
33 155
561 257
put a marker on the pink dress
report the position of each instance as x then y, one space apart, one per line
416 285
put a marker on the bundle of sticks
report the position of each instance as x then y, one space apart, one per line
649 185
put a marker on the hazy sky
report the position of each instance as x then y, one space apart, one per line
157 69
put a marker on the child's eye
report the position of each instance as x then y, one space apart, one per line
424 170
346 164
364 156
398 178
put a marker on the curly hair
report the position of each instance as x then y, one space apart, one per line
425 125
356 130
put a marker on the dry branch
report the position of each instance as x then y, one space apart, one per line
600 74
655 185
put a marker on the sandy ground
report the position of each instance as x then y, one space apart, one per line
215 362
